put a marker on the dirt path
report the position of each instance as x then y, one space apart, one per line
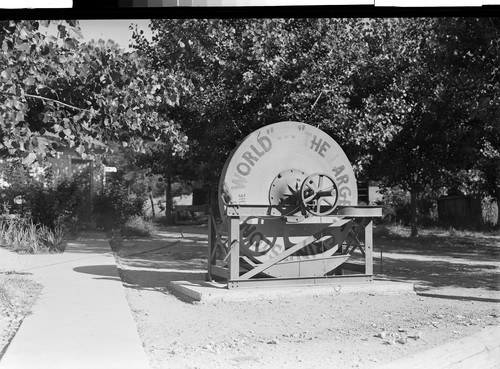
458 295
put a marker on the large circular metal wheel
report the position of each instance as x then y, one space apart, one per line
268 168
319 194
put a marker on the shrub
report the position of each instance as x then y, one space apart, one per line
396 207
138 226
113 205
65 204
54 239
72 204
490 212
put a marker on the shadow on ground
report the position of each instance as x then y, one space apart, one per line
175 254
108 272
432 263
437 262
443 273
146 279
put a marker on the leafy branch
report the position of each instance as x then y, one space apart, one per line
47 99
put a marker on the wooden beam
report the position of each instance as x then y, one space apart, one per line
262 267
234 247
219 271
369 248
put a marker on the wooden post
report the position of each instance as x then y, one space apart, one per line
369 248
234 248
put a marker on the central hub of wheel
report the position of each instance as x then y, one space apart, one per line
319 194
285 191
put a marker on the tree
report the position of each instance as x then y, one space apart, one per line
248 73
447 97
400 98
473 68
55 90
160 158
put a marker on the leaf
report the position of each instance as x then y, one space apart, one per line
29 81
24 33
6 74
80 150
98 143
50 134
62 30
29 159
23 47
77 31
19 116
70 43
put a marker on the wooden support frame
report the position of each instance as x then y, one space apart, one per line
237 277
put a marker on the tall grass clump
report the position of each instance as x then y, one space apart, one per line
24 236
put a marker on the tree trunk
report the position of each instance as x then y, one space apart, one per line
152 204
413 213
169 216
497 194
214 199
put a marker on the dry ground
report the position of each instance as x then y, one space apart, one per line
456 276
17 296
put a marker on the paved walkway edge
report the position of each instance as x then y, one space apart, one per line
82 319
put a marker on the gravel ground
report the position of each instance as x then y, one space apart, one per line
457 279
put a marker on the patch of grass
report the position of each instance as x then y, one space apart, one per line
28 238
54 240
136 226
393 231
398 231
17 292
17 296
398 239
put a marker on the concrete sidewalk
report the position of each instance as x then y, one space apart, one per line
82 319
